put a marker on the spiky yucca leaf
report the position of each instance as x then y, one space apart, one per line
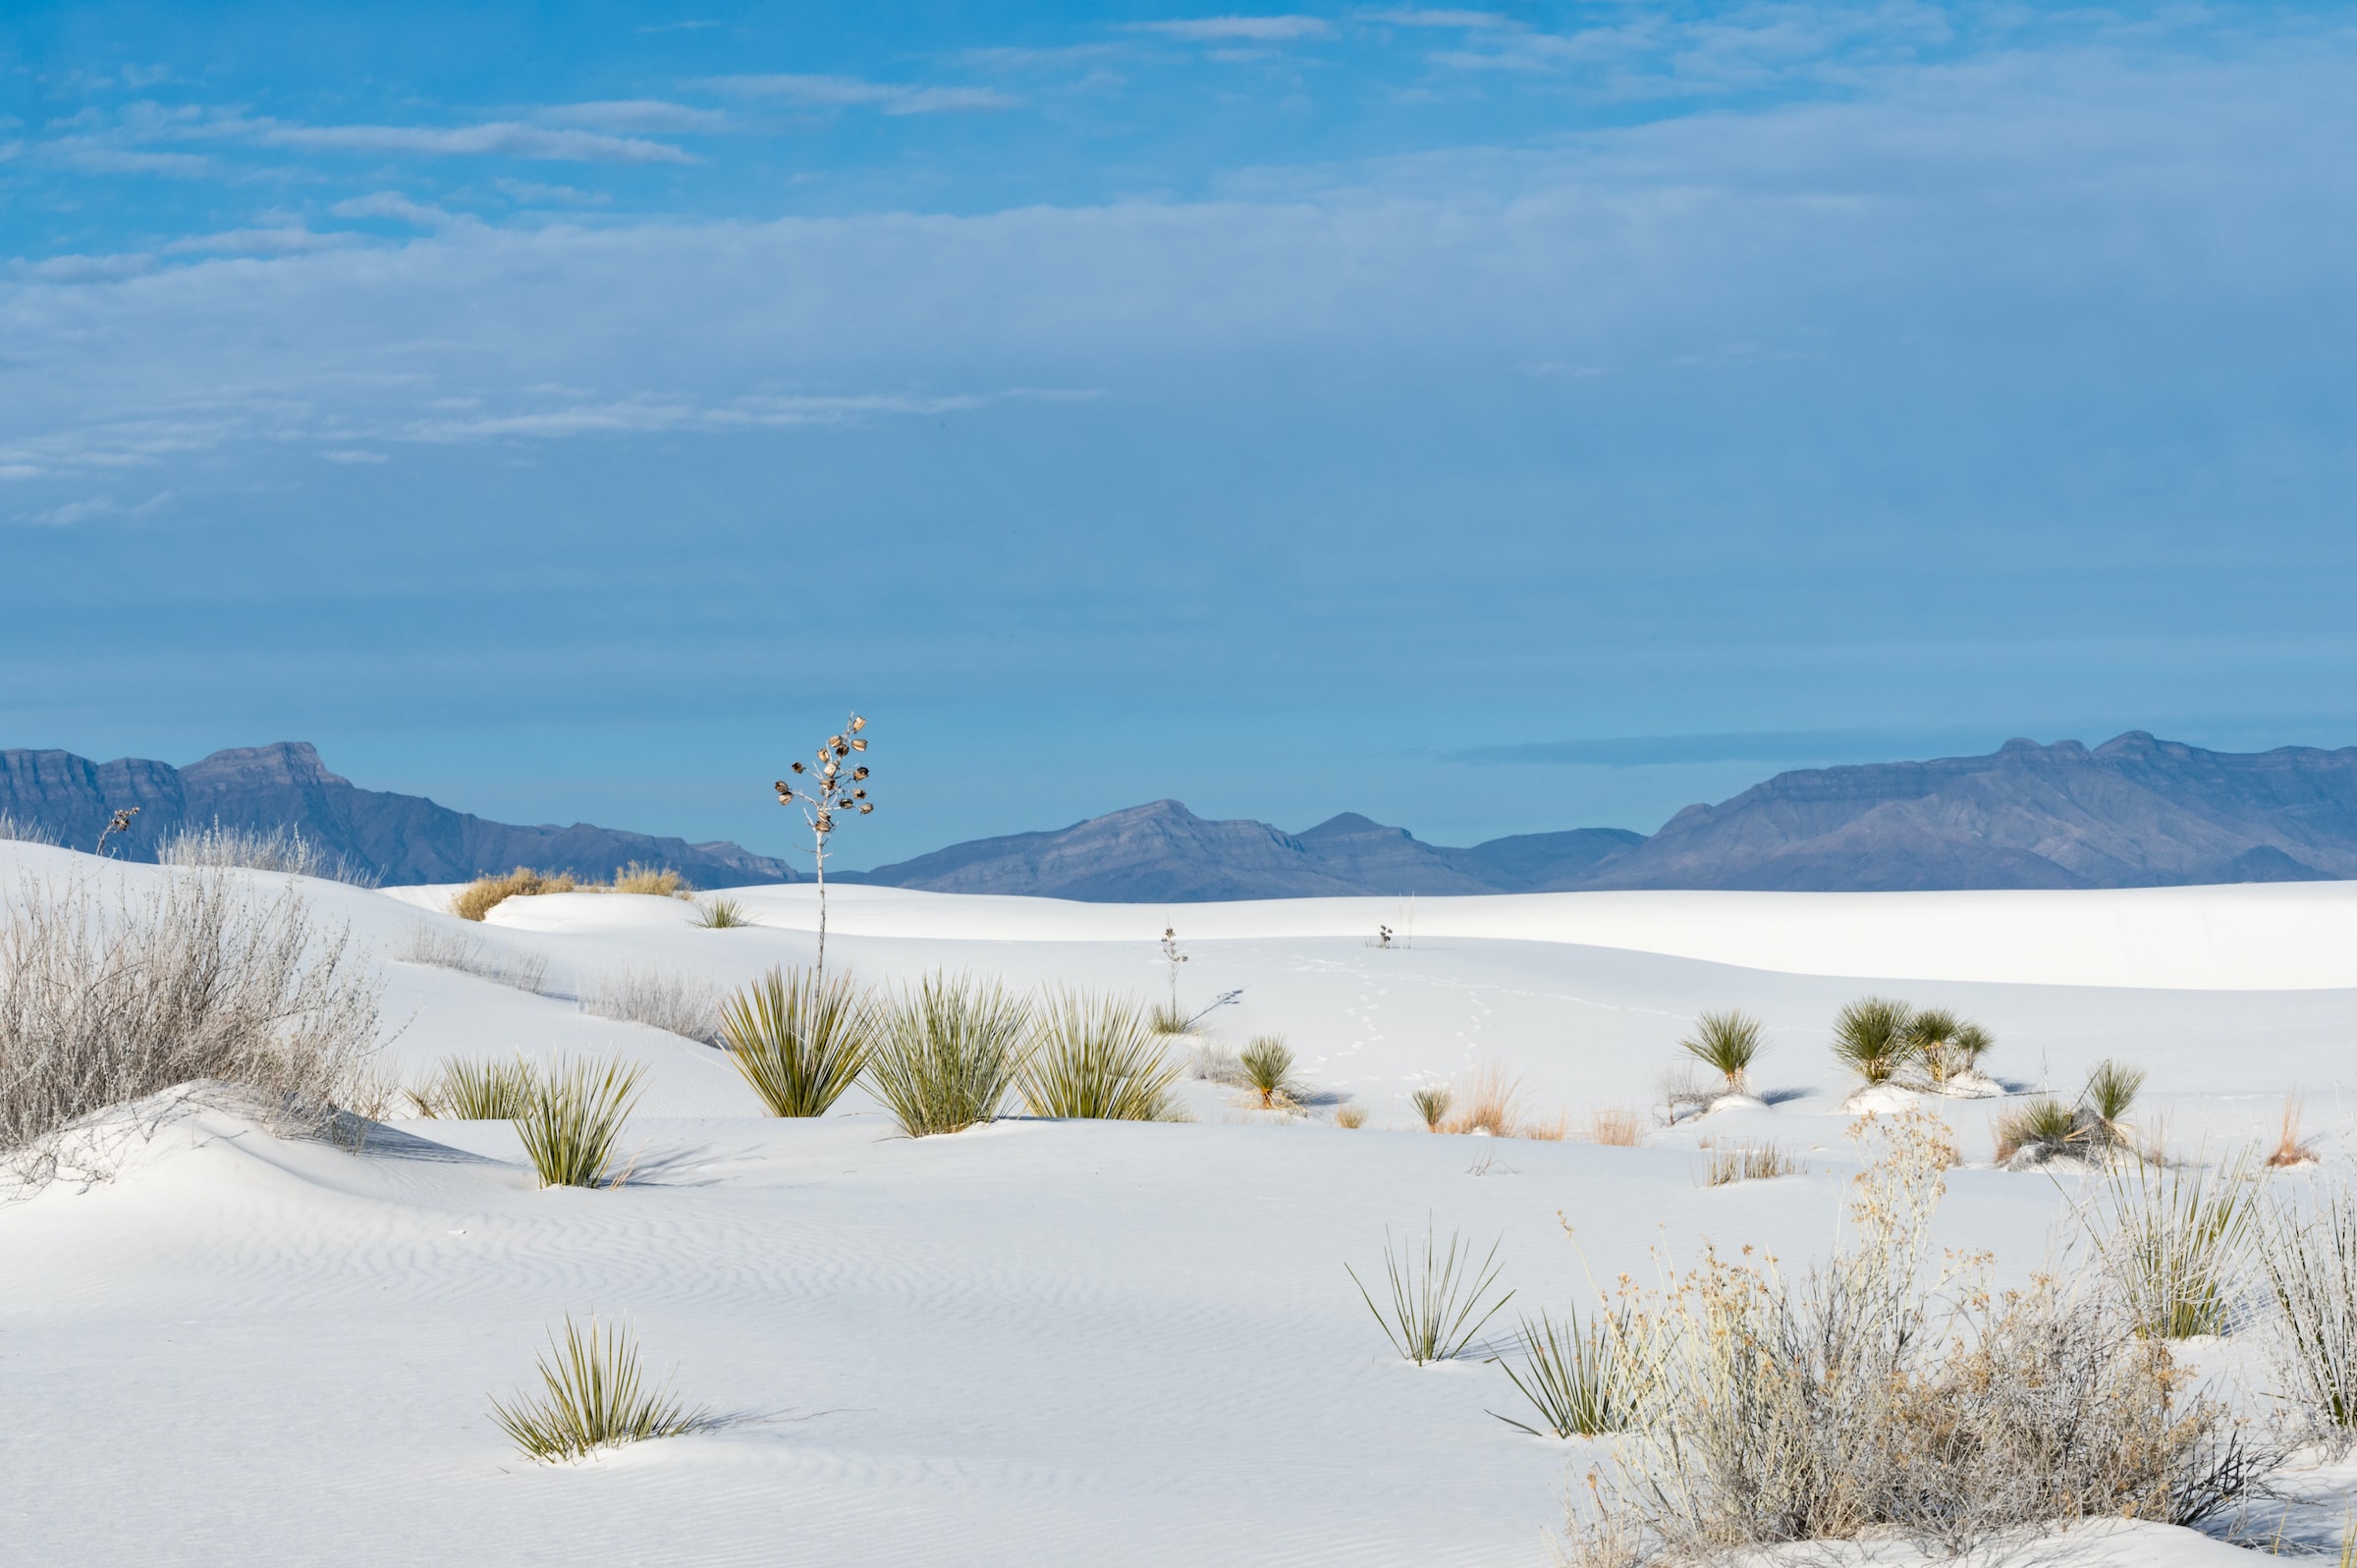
1436 1298
2044 1124
721 914
2110 1093
799 1039
591 1396
1431 1104
1097 1057
1269 1068
1727 1042
573 1120
1581 1381
1870 1038
948 1054
483 1090
2175 1238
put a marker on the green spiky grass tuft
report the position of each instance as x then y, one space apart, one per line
1436 1297
799 1039
574 1119
1268 1064
948 1054
1727 1042
591 1396
1097 1058
1870 1038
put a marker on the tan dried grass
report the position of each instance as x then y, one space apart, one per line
1488 1100
1616 1126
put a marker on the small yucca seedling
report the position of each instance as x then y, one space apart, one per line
1870 1038
1268 1064
721 914
1096 1058
574 1119
2106 1101
482 1091
1727 1042
2045 1126
1436 1298
1580 1381
592 1397
1431 1104
800 1040
948 1054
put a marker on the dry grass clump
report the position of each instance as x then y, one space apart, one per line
948 1054
1268 1065
468 954
1437 1299
1433 1106
1097 1058
591 1396
1727 1042
1616 1126
1350 1117
283 850
24 830
484 894
110 999
1551 1129
799 1039
679 1005
2291 1150
2308 1254
571 1120
1746 1161
659 882
1580 1381
1488 1102
1853 1400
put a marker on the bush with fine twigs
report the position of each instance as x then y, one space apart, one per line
283 850
800 1039
107 997
462 949
1268 1064
2308 1252
592 1395
1097 1058
24 830
679 1005
572 1121
1436 1298
948 1054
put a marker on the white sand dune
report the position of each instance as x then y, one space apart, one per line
1037 1343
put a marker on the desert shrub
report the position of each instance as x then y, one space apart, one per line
948 1054
572 1118
591 1396
1853 1400
1727 1042
2309 1257
1212 1064
2175 1239
24 830
2042 1129
1268 1064
1096 1058
2104 1102
283 850
468 954
1618 1126
106 999
679 1005
721 914
467 1090
484 894
1553 1129
1350 1117
659 882
1746 1161
1580 1381
1871 1037
1489 1100
1431 1104
799 1039
1436 1298
2291 1150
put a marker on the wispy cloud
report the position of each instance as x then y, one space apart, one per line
1255 30
285 240
499 139
393 204
93 155
1411 18
843 92
636 114
534 195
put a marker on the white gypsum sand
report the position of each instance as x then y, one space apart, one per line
1036 1342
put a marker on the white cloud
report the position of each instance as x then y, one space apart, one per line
1410 18
636 114
352 455
92 156
532 193
283 240
839 92
1257 29
393 204
502 139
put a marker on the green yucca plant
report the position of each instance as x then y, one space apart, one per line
1580 1381
1727 1042
1970 1044
1097 1057
1269 1069
1436 1298
2310 1261
2175 1239
574 1119
1870 1038
482 1091
2105 1103
721 914
2045 1126
948 1054
592 1397
1431 1104
1932 1041
799 1039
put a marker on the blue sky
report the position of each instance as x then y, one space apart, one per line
1487 421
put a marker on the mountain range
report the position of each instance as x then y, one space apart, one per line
2132 812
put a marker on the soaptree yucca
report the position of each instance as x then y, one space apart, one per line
799 1039
829 784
